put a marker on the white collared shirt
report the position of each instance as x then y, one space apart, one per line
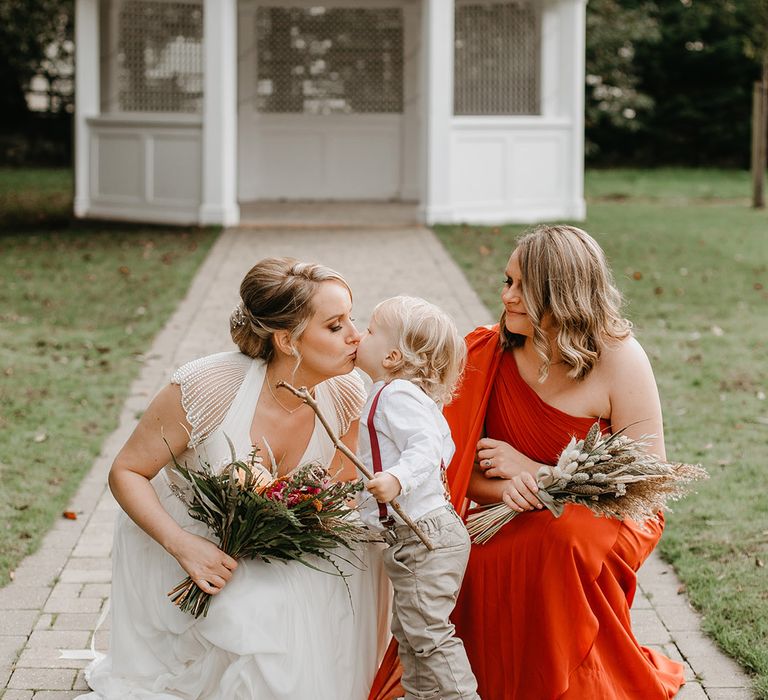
413 439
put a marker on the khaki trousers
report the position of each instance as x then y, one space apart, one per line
426 585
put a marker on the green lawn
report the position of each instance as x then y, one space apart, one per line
79 305
695 275
33 198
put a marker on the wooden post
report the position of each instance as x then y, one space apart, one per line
759 137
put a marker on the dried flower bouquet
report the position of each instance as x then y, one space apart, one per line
612 475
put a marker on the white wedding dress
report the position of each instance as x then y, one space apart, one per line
276 631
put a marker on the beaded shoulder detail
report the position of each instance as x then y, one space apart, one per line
347 393
208 388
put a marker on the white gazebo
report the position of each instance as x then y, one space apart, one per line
189 111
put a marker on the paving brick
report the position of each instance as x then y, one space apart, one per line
58 639
63 536
730 694
17 695
10 646
73 605
66 590
649 628
42 678
37 575
18 596
691 691
693 644
92 550
680 617
56 694
76 621
42 657
56 556
720 672
89 563
96 590
641 601
106 516
80 683
19 622
86 576
102 640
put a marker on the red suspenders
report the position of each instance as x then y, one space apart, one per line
384 517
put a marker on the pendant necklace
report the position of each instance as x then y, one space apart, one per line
289 411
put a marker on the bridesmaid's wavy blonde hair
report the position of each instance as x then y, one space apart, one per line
564 275
432 349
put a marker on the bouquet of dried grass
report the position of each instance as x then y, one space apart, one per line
256 515
612 475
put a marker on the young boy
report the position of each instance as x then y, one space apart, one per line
414 355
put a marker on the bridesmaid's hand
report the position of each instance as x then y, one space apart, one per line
206 564
499 460
520 493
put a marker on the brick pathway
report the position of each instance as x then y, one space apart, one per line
59 592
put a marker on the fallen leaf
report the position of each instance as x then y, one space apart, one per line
40 437
681 588
484 250
716 330
70 515
11 575
658 291
637 275
124 271
757 286
759 562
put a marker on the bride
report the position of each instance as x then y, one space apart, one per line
274 631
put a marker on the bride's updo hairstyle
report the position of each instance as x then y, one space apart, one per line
276 295
564 274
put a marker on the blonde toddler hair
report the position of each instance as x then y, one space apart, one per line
433 352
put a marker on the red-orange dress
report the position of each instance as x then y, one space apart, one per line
544 607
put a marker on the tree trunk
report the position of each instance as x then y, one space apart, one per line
760 137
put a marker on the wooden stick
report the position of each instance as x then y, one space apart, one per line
306 397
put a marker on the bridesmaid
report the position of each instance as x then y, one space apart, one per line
544 607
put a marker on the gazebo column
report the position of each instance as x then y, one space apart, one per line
86 96
437 26
219 166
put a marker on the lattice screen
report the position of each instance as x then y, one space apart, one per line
496 58
320 60
158 64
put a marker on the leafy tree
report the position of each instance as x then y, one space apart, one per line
28 31
701 80
614 104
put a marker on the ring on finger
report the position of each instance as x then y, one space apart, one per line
486 462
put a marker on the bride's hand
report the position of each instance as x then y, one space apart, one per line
499 459
206 564
520 493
